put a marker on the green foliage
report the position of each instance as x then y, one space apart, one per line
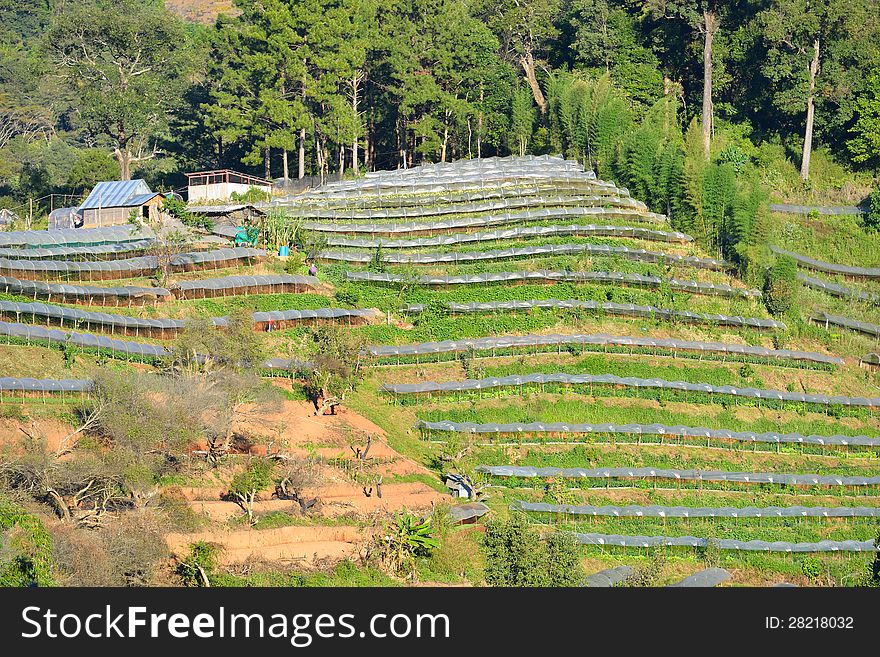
872 216
781 287
198 567
26 548
92 166
517 556
522 118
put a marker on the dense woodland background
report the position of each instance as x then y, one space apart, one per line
704 109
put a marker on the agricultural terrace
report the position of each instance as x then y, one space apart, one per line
516 320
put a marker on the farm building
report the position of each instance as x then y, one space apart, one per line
220 185
111 203
870 362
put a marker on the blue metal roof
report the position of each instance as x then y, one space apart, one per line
117 194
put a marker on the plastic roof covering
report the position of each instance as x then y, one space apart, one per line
863 327
513 233
476 181
457 223
128 322
871 359
84 340
231 282
462 512
143 263
654 511
40 289
319 313
649 429
546 250
73 236
724 543
505 342
116 193
47 385
837 290
90 341
559 206
427 209
705 578
610 577
620 278
811 263
807 209
624 309
627 382
75 252
686 475
543 192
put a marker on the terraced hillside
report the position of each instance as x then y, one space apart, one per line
525 324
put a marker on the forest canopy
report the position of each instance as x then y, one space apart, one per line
650 94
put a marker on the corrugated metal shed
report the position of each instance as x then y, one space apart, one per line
118 194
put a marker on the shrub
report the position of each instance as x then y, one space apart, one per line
780 289
516 556
872 217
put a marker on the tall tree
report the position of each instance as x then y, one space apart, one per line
813 46
705 19
526 30
127 61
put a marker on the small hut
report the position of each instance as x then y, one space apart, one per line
112 203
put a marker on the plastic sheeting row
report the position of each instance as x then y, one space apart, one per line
836 320
655 511
161 327
512 234
845 270
525 341
563 379
13 384
73 237
544 251
543 275
100 342
772 437
836 290
618 540
231 285
611 308
104 296
99 252
486 205
129 267
524 471
546 193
